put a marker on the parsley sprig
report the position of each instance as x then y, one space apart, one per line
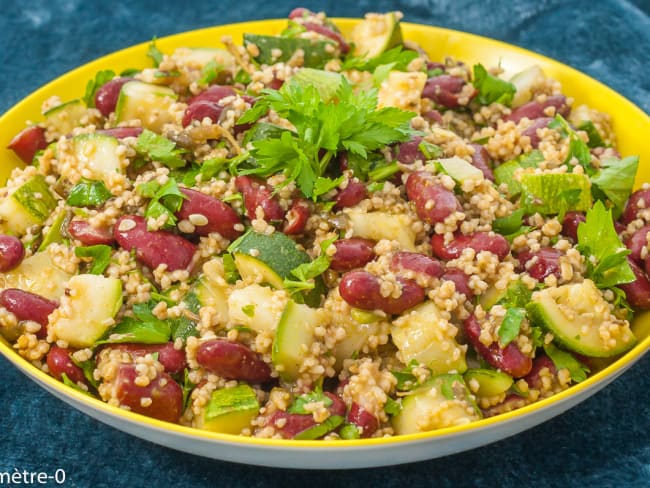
606 256
165 200
350 122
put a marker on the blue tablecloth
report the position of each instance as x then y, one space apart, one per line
604 441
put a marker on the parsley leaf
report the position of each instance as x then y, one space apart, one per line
492 89
562 359
406 380
187 387
577 147
165 200
517 295
101 255
595 140
510 224
87 366
68 382
306 272
154 53
88 193
324 185
397 57
605 254
143 328
210 72
323 129
158 148
614 181
392 407
349 431
298 406
511 325
101 78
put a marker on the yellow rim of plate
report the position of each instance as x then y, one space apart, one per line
438 42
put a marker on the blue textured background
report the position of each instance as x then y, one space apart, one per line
604 441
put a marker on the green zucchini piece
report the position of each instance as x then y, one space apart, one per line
273 256
146 102
553 193
230 410
382 225
317 52
578 316
491 382
524 82
293 338
55 233
443 401
256 270
423 335
67 116
30 204
460 170
257 307
376 34
37 274
98 153
87 311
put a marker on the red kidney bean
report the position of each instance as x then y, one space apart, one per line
257 194
107 95
330 33
360 417
432 116
409 152
296 218
290 425
219 216
433 202
89 235
59 362
511 402
535 110
165 394
153 248
28 306
479 241
444 90
636 242
352 253
570 224
540 362
200 110
233 361
432 65
481 160
362 290
121 132
12 252
351 195
637 292
531 131
299 12
213 94
172 359
619 227
508 359
638 201
461 280
28 142
547 262
414 261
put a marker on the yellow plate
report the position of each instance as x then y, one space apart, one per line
632 127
